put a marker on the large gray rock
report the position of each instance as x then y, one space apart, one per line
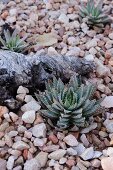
17 69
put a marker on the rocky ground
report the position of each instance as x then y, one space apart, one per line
26 139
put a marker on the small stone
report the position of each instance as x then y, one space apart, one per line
2 143
39 130
32 164
13 12
70 163
63 18
7 117
107 102
91 43
84 140
39 142
3 164
32 105
22 90
97 154
20 97
10 162
89 128
107 163
14 117
18 168
87 154
80 149
57 155
52 51
71 41
50 148
28 98
89 57
70 140
4 126
109 125
110 151
29 116
13 133
71 151
53 138
62 161
3 110
101 70
81 166
20 145
28 134
42 158
4 14
11 19
96 163
111 36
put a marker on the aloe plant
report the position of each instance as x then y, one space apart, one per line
94 14
13 42
68 105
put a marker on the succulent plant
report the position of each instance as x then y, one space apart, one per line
94 14
13 42
68 105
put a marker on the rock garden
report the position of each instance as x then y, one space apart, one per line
56 85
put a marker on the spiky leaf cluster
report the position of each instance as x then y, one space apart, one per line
13 42
68 105
94 14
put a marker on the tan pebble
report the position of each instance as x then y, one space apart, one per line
70 163
3 110
4 14
25 154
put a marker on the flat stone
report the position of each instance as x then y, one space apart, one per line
57 155
20 145
70 140
3 164
97 154
42 158
109 125
10 162
89 128
87 154
71 152
107 163
80 149
39 130
39 142
32 105
29 116
32 164
107 102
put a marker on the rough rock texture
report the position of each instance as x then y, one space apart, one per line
18 69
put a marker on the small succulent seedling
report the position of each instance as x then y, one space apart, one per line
68 105
94 14
13 42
